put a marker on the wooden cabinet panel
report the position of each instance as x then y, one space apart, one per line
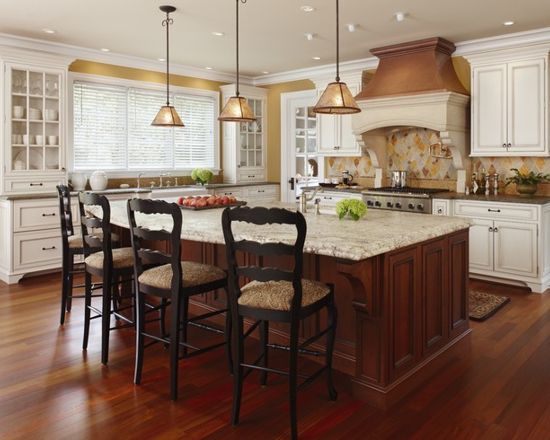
403 302
459 283
481 244
435 291
515 248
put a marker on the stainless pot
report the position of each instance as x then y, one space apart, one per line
398 179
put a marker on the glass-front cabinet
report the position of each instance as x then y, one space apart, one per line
305 144
34 121
244 144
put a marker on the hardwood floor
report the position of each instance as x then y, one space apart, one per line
494 384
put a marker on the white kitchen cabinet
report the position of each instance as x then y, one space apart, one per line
509 104
254 194
34 111
245 144
331 198
441 207
508 241
335 135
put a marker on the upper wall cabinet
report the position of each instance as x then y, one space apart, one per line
245 144
509 103
34 110
336 137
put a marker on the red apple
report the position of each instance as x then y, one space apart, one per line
180 200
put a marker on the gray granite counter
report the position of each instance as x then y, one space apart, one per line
49 195
377 233
501 198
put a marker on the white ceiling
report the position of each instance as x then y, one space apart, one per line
272 31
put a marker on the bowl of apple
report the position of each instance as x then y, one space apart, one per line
208 202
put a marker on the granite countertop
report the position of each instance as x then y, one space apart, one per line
378 232
501 198
350 189
233 185
50 195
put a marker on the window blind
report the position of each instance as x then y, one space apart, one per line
112 129
99 127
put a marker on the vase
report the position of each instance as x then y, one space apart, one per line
79 180
526 189
98 181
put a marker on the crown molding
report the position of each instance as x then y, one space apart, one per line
313 73
517 40
83 53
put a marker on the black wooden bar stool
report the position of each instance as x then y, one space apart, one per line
72 247
275 294
173 281
114 266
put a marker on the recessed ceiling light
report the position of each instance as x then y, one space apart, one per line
309 36
351 27
208 68
218 34
316 58
48 31
104 49
265 72
162 60
400 16
307 8
508 23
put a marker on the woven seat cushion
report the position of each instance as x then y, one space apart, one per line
277 295
193 274
75 241
122 258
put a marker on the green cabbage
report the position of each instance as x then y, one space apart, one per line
353 207
201 175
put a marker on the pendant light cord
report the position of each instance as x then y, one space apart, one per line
337 41
237 41
167 22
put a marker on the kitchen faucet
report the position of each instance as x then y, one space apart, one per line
139 176
304 199
161 176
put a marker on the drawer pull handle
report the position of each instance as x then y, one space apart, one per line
48 248
48 215
36 184
493 210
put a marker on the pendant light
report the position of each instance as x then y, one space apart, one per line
167 115
337 99
236 108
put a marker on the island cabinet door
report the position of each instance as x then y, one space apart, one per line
402 288
459 283
435 295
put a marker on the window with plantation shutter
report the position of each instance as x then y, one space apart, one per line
112 129
99 140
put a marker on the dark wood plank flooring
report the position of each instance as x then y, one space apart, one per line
494 384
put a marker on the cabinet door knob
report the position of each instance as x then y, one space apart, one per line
504 145
495 229
491 229
509 145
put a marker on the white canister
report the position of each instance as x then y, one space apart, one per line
98 180
18 112
39 139
79 181
52 140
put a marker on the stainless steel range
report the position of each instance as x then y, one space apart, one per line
401 199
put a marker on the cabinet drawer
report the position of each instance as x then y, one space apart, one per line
36 249
32 185
441 207
31 215
333 198
512 211
251 176
235 192
262 191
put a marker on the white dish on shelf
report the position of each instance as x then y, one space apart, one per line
51 115
35 113
52 140
18 112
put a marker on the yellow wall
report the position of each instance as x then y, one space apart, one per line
274 123
92 68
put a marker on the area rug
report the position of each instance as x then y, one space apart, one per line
484 305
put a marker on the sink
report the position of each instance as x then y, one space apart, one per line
171 194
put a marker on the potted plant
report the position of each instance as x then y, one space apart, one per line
201 176
526 184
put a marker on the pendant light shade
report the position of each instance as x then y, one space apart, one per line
236 109
337 98
167 115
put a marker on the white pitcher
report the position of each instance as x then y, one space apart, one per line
79 181
98 180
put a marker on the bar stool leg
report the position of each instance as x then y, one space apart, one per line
140 339
238 338
331 336
228 341
174 345
293 379
70 282
184 317
87 304
64 288
264 339
106 316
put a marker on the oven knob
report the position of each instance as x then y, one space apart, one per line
411 206
369 203
389 204
377 203
398 205
420 207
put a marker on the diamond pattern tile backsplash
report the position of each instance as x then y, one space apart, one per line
409 149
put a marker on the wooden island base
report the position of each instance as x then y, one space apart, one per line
397 312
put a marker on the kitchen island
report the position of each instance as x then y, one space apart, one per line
401 287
